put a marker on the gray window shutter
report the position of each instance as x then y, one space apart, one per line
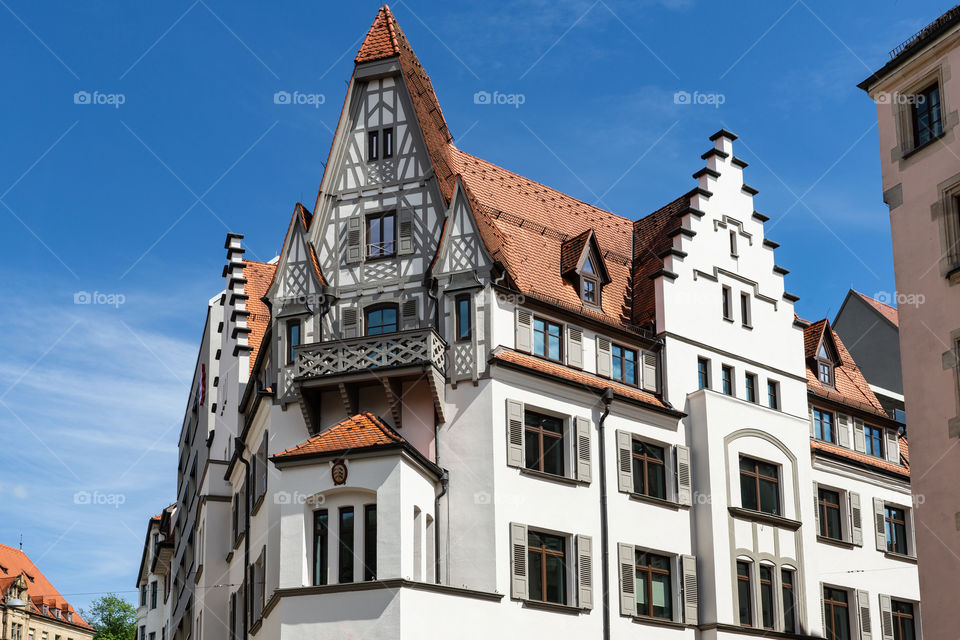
843 430
649 368
823 613
893 446
585 572
603 356
575 347
911 543
628 584
856 518
405 233
524 320
349 323
880 525
816 508
583 448
810 414
518 561
684 482
886 617
408 315
859 442
514 433
863 611
354 239
624 461
691 599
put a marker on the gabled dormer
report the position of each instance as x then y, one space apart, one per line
582 265
824 354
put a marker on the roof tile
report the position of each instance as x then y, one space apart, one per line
356 432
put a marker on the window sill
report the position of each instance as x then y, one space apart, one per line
662 502
748 327
258 504
660 622
730 320
196 576
256 627
552 606
923 146
542 475
229 557
766 518
236 543
378 258
835 542
900 556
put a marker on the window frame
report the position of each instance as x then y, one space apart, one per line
900 615
915 113
831 423
746 310
727 298
645 462
744 587
874 436
768 603
321 548
726 380
369 535
595 291
386 143
289 325
545 553
624 350
547 324
823 506
703 373
650 572
561 439
829 604
381 217
459 317
373 145
750 381
788 588
892 527
381 307
346 546
756 479
773 395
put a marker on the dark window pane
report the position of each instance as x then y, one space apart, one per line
381 320
535 566
345 573
320 547
556 580
370 542
789 616
743 594
464 318
748 493
769 497
660 596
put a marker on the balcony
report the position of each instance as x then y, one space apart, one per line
385 360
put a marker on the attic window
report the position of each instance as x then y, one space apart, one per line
824 366
589 283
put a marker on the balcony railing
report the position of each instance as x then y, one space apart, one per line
418 348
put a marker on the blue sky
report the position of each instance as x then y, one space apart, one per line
178 140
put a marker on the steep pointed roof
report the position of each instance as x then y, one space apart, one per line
259 275
13 562
381 41
849 385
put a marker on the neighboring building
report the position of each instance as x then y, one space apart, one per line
464 404
871 330
30 607
917 96
153 579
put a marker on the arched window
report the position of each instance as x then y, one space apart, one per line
381 319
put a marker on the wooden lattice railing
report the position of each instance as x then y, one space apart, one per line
403 349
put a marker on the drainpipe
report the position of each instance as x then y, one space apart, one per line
604 537
239 447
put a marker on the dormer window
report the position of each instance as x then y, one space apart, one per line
824 366
582 266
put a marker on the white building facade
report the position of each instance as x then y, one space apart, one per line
464 404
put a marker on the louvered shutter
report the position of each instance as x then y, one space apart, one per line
691 599
349 323
823 612
624 461
514 433
816 508
405 233
524 329
863 611
518 561
628 584
603 356
408 315
856 518
843 430
354 239
684 481
583 449
262 454
893 446
859 442
879 524
585 572
886 617
810 414
649 367
574 347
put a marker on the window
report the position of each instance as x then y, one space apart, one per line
543 443
232 615
733 243
373 145
759 486
547 567
823 426
153 594
766 596
293 339
744 593
381 235
727 304
589 293
903 625
828 503
789 601
546 338
388 142
927 121
703 373
873 439
895 523
623 364
824 366
381 319
345 568
370 542
649 475
464 318
143 633
143 592
750 387
773 395
726 380
321 539
835 614
745 309
654 592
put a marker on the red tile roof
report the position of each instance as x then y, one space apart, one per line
39 590
357 432
835 449
651 238
888 312
381 41
572 375
259 275
850 387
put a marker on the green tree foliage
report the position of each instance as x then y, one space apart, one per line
112 618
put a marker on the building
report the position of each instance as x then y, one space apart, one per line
917 97
153 579
871 328
462 403
30 607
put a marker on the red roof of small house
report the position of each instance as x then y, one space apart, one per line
13 562
361 431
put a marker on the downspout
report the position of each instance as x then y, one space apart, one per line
239 446
604 537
